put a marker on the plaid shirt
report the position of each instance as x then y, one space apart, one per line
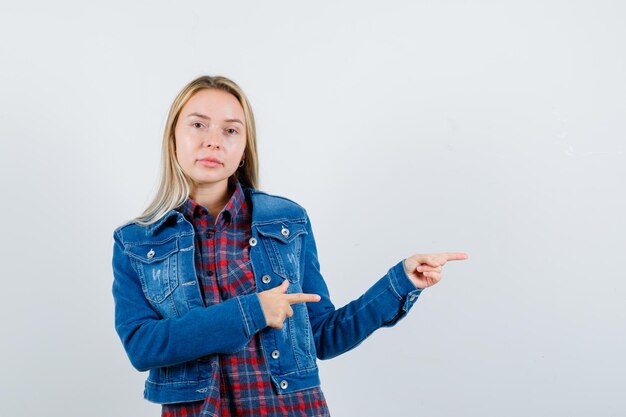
242 384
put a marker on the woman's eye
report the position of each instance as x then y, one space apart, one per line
197 125
232 131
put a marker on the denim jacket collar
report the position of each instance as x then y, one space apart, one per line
151 228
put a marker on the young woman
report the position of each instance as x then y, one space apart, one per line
217 286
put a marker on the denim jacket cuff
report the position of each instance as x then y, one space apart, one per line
252 312
403 286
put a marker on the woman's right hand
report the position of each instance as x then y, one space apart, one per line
276 304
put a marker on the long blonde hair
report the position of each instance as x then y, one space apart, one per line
175 185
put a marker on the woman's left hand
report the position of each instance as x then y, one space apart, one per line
424 270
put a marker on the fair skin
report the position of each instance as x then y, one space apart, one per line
210 143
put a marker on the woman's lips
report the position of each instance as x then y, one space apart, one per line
210 162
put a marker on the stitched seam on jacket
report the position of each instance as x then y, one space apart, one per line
243 314
392 287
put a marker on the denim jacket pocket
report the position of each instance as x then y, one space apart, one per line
156 265
283 242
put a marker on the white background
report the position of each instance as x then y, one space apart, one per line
491 127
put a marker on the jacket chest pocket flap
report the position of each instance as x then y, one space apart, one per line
283 242
156 265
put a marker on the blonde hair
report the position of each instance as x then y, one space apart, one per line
175 185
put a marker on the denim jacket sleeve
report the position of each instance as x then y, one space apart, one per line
339 330
152 341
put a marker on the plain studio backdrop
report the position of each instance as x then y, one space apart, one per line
490 127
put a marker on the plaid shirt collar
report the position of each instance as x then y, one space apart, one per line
191 209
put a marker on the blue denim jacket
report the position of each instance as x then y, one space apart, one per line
166 329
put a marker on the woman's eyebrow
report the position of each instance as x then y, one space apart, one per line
202 116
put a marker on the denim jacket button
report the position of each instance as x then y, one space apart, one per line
150 254
252 241
275 354
413 297
266 279
284 231
284 384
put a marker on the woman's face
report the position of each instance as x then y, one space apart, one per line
210 137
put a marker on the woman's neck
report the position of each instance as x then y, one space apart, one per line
212 196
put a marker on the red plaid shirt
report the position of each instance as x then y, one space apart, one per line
242 380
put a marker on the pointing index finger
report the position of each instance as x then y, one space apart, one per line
302 298
455 256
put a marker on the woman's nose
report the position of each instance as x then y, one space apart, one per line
212 139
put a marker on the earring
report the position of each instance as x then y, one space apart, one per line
241 163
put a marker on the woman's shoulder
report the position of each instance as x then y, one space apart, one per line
129 224
267 205
126 231
265 196
135 230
